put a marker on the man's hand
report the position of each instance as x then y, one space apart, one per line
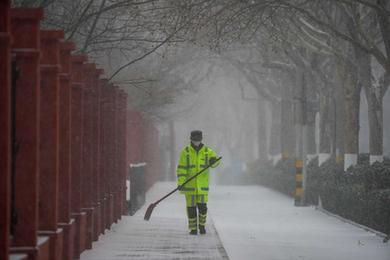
212 160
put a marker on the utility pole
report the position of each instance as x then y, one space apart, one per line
301 131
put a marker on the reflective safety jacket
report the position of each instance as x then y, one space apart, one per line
190 163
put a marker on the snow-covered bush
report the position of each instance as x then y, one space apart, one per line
362 194
281 177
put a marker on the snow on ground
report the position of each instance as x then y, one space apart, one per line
252 222
257 223
164 236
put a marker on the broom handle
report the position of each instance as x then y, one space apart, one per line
187 181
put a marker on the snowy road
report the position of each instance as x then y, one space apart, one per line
252 222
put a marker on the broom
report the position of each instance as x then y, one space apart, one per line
149 210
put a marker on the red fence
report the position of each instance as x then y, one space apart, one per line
143 146
63 143
5 130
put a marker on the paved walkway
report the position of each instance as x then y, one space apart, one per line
252 223
164 236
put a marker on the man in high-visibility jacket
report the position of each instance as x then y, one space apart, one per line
193 158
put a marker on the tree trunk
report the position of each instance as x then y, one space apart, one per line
375 109
299 114
351 127
275 131
287 125
311 133
375 121
339 113
384 26
326 129
262 129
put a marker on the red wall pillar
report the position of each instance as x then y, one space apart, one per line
108 150
5 127
64 217
115 177
80 217
115 188
26 46
123 152
152 172
120 150
111 153
96 143
87 174
49 141
104 161
134 137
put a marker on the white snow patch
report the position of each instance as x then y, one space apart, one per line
322 157
350 159
376 158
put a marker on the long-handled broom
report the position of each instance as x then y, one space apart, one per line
149 211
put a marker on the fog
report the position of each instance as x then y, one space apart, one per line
228 122
226 108
292 94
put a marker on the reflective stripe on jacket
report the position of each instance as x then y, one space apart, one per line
190 163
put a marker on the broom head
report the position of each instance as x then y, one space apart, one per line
149 211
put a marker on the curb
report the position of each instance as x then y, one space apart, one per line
376 232
221 248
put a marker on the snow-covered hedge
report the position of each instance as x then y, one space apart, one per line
362 194
281 177
320 177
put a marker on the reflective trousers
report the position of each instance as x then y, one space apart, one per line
196 210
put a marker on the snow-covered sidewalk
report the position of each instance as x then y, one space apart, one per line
257 223
164 236
251 221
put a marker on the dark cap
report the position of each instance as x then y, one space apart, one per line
196 135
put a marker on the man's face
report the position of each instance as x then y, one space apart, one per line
196 143
196 137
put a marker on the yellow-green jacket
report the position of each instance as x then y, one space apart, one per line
190 163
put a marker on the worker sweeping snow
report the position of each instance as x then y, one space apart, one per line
194 158
193 181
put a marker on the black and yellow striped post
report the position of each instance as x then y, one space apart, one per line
299 192
339 159
285 155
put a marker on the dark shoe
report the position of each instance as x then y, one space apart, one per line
202 230
193 232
